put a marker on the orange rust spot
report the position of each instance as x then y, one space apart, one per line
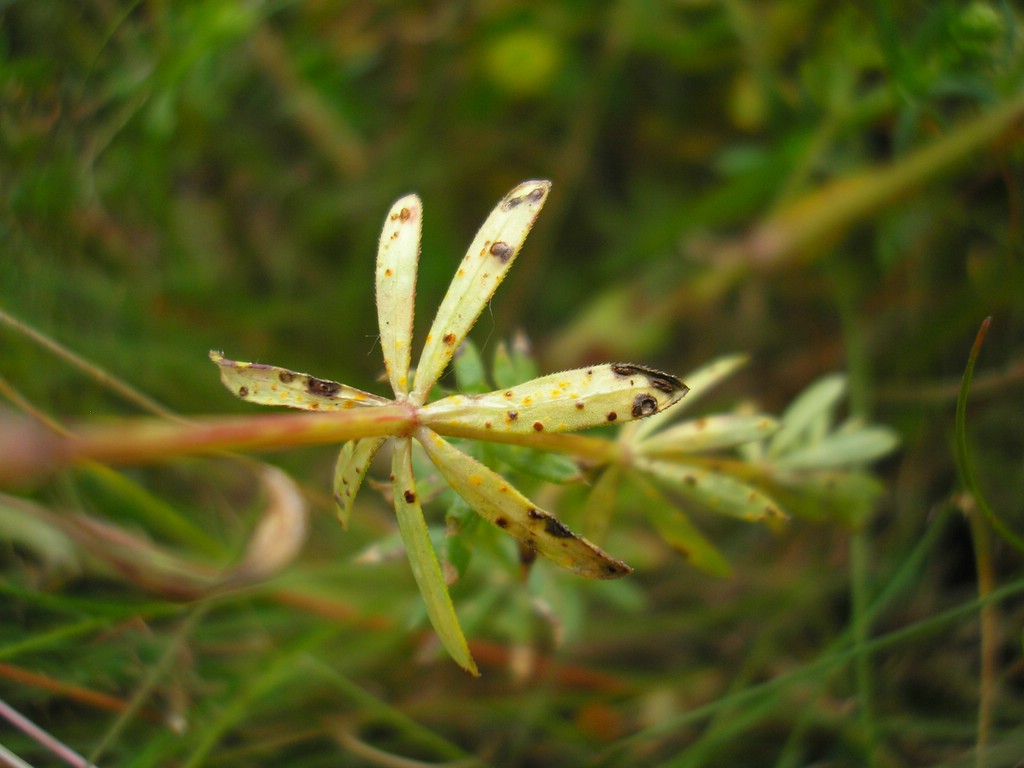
449 339
538 427
405 214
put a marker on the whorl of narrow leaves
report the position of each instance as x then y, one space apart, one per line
602 394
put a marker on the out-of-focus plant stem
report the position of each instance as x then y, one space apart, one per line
28 450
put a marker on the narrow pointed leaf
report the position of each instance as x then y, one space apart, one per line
484 267
495 500
808 413
601 503
701 382
470 375
682 535
350 471
561 402
423 559
708 434
397 258
842 450
718 492
270 385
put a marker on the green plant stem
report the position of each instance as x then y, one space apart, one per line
982 555
963 453
815 220
153 676
861 625
99 375
989 650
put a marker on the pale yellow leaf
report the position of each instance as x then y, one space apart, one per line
397 258
350 471
485 265
270 385
562 402
423 560
495 500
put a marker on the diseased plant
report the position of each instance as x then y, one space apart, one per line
538 413
561 402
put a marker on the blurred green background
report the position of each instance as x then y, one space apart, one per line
826 186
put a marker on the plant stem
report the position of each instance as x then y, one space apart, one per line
27 450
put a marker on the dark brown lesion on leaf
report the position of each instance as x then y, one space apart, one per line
502 251
511 416
286 377
552 525
535 195
243 391
612 416
558 529
661 381
644 405
501 522
410 497
617 569
322 387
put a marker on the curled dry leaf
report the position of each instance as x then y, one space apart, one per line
280 533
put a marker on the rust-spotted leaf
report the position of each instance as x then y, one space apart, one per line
350 471
397 258
561 402
485 265
495 500
270 385
423 559
715 491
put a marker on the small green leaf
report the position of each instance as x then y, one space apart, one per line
425 567
485 265
561 402
848 497
601 503
398 255
495 500
503 369
549 467
469 369
718 492
808 414
708 434
270 385
842 450
682 535
350 471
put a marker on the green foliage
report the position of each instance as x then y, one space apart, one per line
828 187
